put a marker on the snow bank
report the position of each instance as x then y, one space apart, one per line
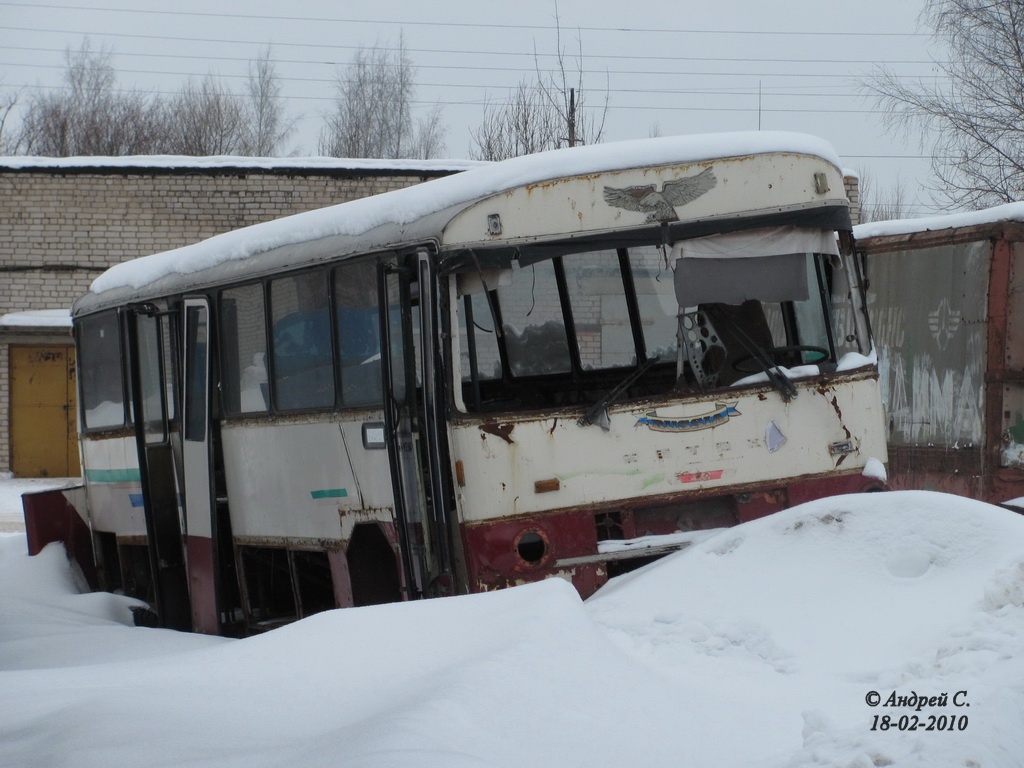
760 645
826 602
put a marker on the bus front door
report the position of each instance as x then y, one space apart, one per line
151 356
413 412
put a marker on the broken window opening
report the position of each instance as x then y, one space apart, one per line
577 327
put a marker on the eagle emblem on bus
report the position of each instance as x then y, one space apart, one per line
660 205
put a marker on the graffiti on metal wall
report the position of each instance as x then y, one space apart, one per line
930 342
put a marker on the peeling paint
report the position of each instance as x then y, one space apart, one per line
504 431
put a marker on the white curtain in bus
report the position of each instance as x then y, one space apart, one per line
768 265
771 241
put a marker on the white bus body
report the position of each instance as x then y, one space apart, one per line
559 365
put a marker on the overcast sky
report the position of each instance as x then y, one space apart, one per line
665 67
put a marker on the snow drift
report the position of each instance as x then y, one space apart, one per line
756 646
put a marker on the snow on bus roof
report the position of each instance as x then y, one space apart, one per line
404 206
999 213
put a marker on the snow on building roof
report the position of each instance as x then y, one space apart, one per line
233 162
40 318
995 215
403 207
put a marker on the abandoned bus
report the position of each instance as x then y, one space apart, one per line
559 365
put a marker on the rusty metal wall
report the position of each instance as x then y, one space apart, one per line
928 309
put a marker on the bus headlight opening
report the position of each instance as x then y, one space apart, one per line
531 546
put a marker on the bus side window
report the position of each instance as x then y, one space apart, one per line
534 328
99 352
358 326
243 330
301 347
604 336
656 300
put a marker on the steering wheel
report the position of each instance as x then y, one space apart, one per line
778 356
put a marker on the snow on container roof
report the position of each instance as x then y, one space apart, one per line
394 217
995 215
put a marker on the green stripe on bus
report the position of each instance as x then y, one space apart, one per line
330 493
112 475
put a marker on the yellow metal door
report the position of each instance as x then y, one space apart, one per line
44 435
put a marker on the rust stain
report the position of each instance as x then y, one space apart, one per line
554 424
504 431
834 402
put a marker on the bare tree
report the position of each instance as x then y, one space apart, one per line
204 118
523 125
564 92
886 205
8 101
544 114
90 116
974 120
373 109
266 127
430 132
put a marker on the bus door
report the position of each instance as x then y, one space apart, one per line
151 357
413 418
208 541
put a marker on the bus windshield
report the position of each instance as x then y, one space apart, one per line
564 330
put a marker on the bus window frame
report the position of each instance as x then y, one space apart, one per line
127 420
272 410
223 359
471 405
325 275
362 261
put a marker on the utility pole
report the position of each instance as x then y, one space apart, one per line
572 117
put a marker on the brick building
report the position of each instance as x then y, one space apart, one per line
64 221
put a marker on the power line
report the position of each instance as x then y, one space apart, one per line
462 25
727 92
690 100
616 57
467 68
667 108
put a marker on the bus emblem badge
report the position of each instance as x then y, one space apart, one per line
716 418
661 205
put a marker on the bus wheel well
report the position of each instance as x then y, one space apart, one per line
372 566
